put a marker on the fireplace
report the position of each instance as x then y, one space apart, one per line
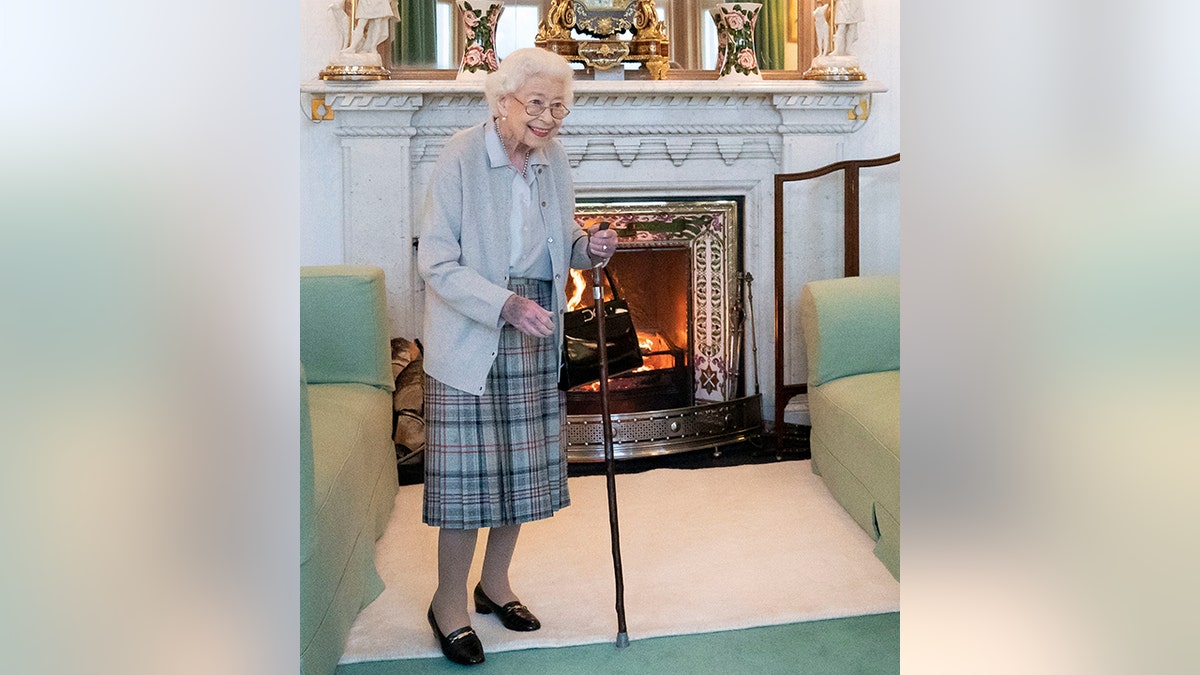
679 268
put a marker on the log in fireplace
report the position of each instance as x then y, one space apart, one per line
679 267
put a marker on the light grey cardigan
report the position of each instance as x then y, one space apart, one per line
463 253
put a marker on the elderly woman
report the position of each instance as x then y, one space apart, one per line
497 238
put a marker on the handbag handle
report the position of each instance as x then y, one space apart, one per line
612 283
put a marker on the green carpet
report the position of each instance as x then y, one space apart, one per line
862 644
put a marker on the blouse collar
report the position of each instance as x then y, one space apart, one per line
495 149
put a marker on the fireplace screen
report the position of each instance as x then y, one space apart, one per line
678 265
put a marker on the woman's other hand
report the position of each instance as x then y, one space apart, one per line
602 244
527 316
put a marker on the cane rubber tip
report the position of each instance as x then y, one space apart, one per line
622 640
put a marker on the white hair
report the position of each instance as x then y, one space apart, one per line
521 65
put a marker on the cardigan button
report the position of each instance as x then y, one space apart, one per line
543 205
550 240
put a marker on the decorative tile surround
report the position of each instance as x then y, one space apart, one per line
632 139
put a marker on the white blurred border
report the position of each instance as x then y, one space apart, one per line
1049 231
149 246
1049 330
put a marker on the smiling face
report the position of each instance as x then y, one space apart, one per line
522 131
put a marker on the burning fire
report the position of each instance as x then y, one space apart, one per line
652 342
656 352
575 290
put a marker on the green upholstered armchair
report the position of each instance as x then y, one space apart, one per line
348 478
852 338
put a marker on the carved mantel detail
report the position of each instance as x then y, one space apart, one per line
630 121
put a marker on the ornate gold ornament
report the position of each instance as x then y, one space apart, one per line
834 73
861 110
603 54
320 110
354 72
604 20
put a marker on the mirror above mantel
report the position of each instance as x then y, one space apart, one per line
427 41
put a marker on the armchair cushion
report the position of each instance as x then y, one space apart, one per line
863 412
343 335
859 327
852 336
347 459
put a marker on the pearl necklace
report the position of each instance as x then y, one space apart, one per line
508 153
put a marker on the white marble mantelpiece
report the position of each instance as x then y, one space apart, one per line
628 119
625 139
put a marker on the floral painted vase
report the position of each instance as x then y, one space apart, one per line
736 57
480 19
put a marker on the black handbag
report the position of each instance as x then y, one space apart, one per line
581 346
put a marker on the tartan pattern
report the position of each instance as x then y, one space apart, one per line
499 459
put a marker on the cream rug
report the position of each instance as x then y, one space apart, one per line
703 550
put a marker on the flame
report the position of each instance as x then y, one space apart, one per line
576 288
652 342
656 352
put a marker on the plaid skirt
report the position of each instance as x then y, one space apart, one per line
499 459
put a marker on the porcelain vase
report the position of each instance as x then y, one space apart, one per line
480 19
737 58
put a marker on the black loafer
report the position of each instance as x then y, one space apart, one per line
514 615
462 646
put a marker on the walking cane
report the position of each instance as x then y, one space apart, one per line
609 460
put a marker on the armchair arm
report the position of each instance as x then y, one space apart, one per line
343 325
851 326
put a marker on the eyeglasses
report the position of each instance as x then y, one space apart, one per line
535 107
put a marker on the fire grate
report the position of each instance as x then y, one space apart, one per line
662 432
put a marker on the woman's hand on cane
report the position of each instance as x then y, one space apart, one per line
602 244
